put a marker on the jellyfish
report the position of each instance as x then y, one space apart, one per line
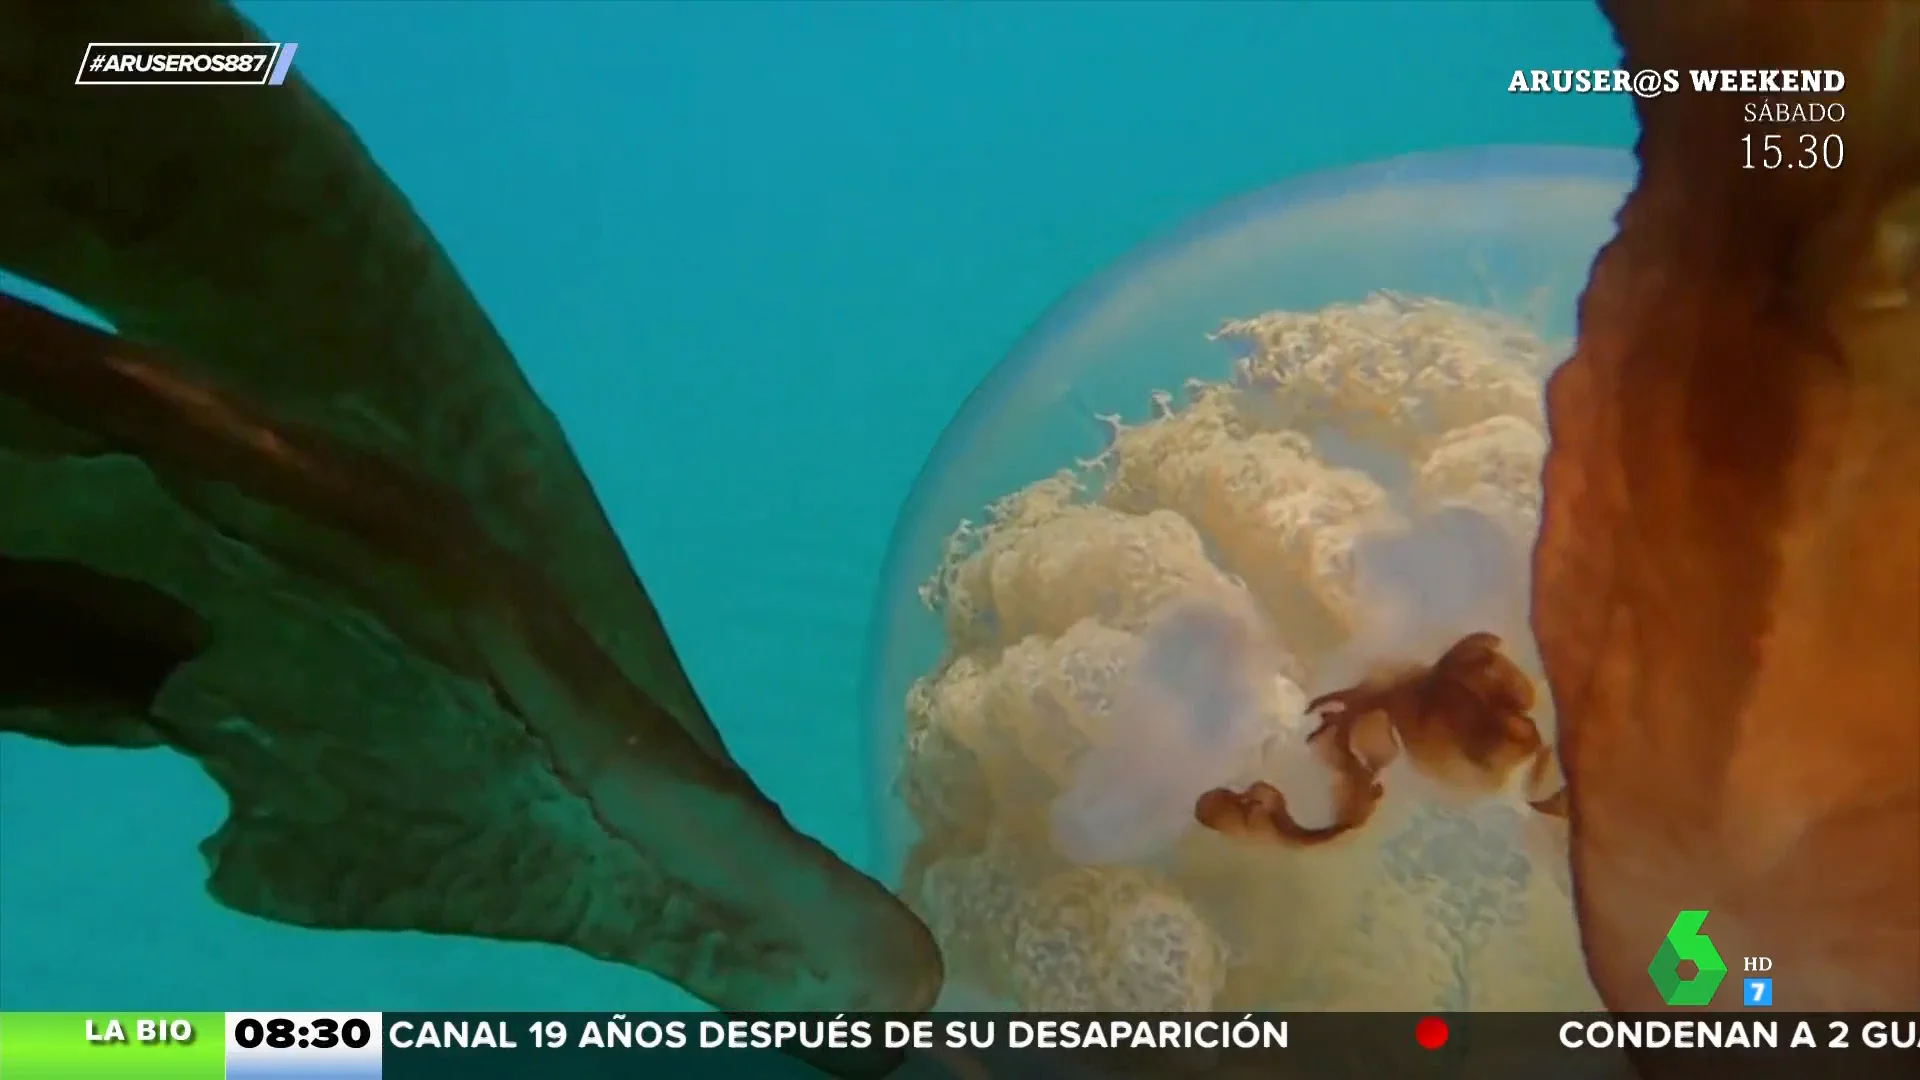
1294 441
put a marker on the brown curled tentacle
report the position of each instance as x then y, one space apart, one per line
1260 812
1464 721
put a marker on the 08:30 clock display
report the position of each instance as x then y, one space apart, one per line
1793 151
282 1033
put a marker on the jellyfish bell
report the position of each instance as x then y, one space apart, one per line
1295 437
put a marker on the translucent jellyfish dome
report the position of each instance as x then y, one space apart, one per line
1294 441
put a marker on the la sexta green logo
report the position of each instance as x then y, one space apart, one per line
1685 942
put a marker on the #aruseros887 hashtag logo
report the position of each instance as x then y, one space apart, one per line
1685 942
247 63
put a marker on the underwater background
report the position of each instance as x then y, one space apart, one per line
754 256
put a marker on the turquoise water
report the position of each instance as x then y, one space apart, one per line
754 256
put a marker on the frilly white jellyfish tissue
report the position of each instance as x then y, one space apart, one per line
1193 714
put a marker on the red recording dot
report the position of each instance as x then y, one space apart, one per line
1430 1033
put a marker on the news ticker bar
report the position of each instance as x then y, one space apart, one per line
403 1046
245 63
